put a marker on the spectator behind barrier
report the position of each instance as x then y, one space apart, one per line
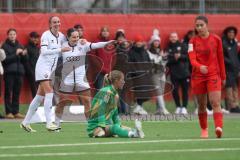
105 56
179 72
232 65
13 73
138 53
157 56
32 49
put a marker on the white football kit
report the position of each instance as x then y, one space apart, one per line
50 49
74 69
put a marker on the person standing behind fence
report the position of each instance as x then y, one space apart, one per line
105 56
179 72
232 65
139 54
13 74
157 56
80 30
32 50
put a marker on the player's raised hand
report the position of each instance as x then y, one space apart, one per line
65 49
204 69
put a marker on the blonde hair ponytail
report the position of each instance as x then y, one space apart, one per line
112 77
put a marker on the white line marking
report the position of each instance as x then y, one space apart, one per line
119 142
119 152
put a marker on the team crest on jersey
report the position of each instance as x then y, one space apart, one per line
106 98
178 48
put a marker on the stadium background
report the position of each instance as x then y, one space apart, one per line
166 15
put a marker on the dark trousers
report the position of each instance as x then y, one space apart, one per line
33 85
13 84
184 84
99 81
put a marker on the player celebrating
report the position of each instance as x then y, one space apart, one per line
51 42
74 72
208 74
103 119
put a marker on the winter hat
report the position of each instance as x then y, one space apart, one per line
138 38
155 36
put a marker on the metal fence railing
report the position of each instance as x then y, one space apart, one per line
122 6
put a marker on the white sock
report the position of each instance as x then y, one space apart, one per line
161 102
37 100
48 107
57 120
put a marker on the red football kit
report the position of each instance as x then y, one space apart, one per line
209 52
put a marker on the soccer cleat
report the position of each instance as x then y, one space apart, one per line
162 111
139 110
204 133
178 110
218 132
52 127
27 128
138 126
184 111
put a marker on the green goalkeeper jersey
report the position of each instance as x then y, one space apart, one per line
104 109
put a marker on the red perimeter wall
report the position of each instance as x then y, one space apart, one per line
132 24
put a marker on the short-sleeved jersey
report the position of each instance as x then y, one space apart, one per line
49 52
74 70
209 52
52 43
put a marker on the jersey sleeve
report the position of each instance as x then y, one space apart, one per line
90 46
221 59
192 54
44 46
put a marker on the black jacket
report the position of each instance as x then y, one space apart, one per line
32 57
13 64
137 54
179 69
230 50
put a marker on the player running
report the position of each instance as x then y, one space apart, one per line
208 74
74 72
51 47
103 119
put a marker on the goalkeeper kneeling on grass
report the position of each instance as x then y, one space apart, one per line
104 119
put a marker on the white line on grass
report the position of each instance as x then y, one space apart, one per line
121 142
119 152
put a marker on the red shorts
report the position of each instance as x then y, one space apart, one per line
204 85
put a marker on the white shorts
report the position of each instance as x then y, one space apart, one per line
45 68
74 86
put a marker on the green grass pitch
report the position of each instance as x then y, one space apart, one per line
165 140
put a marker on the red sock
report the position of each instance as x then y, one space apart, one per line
218 119
203 120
